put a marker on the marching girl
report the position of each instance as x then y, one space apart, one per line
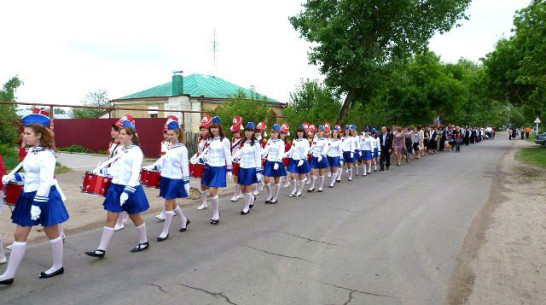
165 146
334 154
274 166
376 149
41 202
196 168
216 158
250 160
348 146
359 158
125 192
319 161
235 144
366 147
298 166
261 138
311 129
175 178
285 132
3 258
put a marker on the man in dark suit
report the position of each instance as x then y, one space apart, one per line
385 139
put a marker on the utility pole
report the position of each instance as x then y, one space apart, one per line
214 50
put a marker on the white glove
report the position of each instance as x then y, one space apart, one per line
7 179
35 212
319 159
300 163
100 171
124 196
149 167
276 166
360 154
352 155
259 177
230 175
194 159
187 188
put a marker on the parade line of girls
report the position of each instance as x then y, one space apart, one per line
251 160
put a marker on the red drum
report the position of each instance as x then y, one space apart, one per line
196 170
235 168
12 193
95 184
150 178
285 162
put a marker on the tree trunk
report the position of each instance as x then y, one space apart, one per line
346 104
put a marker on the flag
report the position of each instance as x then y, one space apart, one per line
437 121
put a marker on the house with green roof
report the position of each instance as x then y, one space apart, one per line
195 92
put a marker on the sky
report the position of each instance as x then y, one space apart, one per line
64 49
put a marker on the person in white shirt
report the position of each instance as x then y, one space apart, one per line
261 136
376 149
217 160
175 178
165 146
125 192
41 202
235 145
348 146
298 166
366 150
196 168
334 154
319 161
250 160
274 167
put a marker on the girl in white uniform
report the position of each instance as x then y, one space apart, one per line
298 166
334 154
198 168
250 160
175 178
41 202
319 161
165 146
274 168
376 149
235 144
366 147
348 146
216 158
125 192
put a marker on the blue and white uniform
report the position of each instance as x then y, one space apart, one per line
298 152
175 173
274 153
348 147
366 147
40 189
334 153
216 159
319 149
250 162
376 147
125 174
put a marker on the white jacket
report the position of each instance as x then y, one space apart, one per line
366 143
218 153
249 156
334 148
320 147
274 150
299 149
126 170
174 163
39 175
348 144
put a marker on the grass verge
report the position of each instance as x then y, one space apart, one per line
533 155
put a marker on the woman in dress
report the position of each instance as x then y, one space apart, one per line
399 145
41 202
334 154
250 160
348 146
274 167
125 192
298 166
319 160
165 146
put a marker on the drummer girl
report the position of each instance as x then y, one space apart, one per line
196 169
125 193
274 167
334 154
165 146
41 202
216 159
250 160
235 144
298 166
348 146
175 178
285 132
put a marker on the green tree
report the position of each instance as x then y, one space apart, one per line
8 115
97 98
355 39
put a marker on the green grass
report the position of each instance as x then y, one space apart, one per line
75 148
533 155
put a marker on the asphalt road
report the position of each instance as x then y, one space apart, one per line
390 238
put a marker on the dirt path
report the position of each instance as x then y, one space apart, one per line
503 257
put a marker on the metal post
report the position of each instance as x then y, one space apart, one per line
51 117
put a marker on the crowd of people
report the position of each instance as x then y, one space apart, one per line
316 157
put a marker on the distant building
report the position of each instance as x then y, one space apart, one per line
23 112
196 92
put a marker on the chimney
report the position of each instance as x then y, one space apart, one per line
177 84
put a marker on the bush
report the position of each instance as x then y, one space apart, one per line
75 148
9 155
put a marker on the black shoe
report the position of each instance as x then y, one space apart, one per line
254 200
141 247
310 190
97 253
184 229
243 212
214 221
330 186
338 180
44 275
7 282
273 202
268 201
160 239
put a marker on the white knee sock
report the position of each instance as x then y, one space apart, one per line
2 254
236 189
215 203
356 168
142 233
300 186
321 182
248 200
203 198
163 212
60 228
369 166
57 249
363 169
183 219
333 180
107 233
168 220
313 180
15 258
350 174
276 191
339 173
269 194
294 185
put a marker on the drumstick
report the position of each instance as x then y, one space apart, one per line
16 169
108 162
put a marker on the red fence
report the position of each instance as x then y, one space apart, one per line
94 134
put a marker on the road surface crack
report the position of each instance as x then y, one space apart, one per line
214 294
158 287
282 255
353 291
313 240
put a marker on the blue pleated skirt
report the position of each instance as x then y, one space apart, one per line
334 161
172 188
366 155
247 176
294 168
347 157
375 153
53 211
269 171
137 202
315 164
214 176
